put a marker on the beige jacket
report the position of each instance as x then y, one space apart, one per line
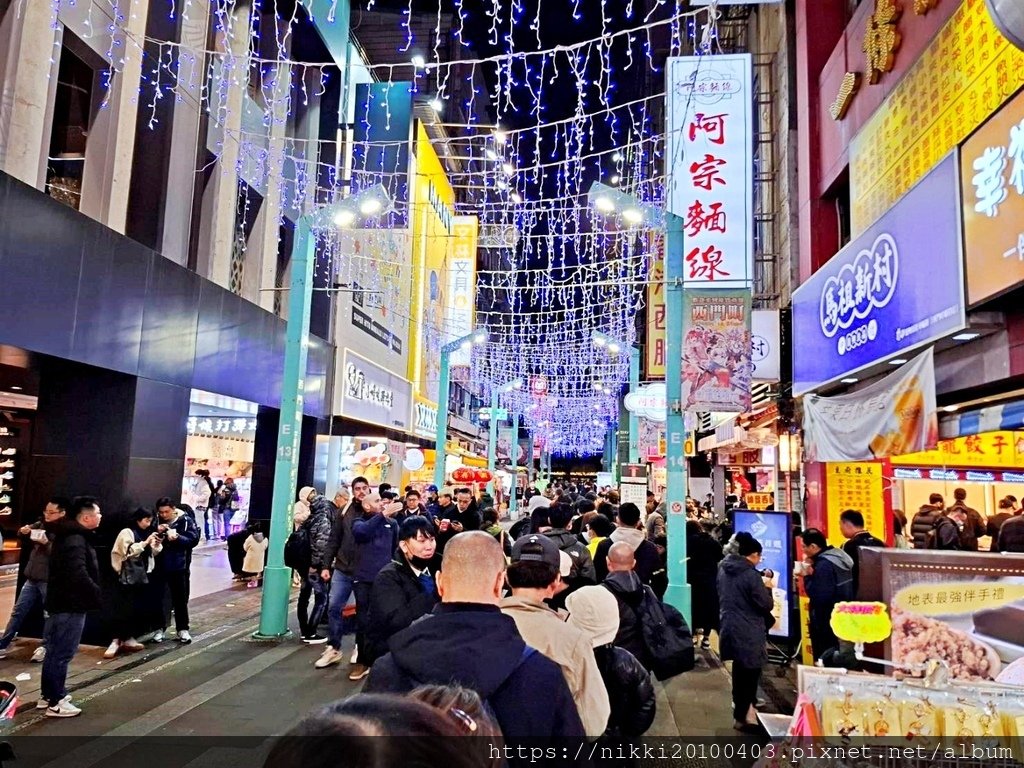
568 647
125 546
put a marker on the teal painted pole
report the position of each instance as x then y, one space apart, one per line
442 417
513 450
634 421
277 579
492 441
678 593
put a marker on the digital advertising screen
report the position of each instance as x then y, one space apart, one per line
774 531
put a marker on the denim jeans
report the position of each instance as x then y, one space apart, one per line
63 634
317 588
341 590
32 592
363 590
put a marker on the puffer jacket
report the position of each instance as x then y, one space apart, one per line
745 612
1011 535
630 691
74 583
318 527
922 525
582 565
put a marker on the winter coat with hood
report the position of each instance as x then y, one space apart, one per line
568 646
629 592
583 571
745 612
175 554
255 553
341 546
831 582
922 524
74 582
478 647
318 528
301 510
397 600
648 559
630 691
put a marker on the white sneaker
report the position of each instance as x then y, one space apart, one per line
5 499
112 649
6 511
5 653
9 451
64 708
184 637
355 655
7 476
158 636
39 655
9 464
131 644
328 657
44 704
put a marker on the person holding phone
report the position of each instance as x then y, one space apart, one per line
376 537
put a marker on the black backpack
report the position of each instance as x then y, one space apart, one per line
932 537
666 636
298 552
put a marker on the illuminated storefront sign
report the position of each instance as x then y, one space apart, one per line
956 476
461 299
229 426
372 394
989 450
424 418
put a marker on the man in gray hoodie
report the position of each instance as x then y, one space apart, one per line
828 579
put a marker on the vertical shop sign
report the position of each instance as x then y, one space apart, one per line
710 165
654 365
860 486
716 350
462 284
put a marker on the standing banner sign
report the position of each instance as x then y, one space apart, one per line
461 301
716 350
894 416
710 165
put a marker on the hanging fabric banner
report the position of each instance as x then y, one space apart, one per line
716 350
892 417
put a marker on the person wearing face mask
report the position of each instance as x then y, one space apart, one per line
404 590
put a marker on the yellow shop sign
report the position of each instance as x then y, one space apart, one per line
995 450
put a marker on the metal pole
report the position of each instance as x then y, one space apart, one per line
678 593
492 441
513 450
442 417
634 421
277 579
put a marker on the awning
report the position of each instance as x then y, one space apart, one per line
990 419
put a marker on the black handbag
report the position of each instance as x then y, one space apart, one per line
134 570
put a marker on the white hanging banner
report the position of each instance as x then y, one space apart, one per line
892 417
710 165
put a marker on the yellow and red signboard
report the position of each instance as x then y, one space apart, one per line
861 486
989 450
654 365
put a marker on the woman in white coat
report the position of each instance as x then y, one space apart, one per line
132 560
255 556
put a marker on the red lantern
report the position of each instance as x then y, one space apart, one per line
463 475
482 476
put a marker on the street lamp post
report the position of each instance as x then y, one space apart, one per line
610 201
614 346
277 577
492 442
477 336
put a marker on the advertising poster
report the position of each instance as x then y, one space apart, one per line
654 363
965 608
871 301
1002 449
859 486
892 417
461 305
716 350
774 531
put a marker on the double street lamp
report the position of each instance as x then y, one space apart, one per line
351 211
474 337
610 201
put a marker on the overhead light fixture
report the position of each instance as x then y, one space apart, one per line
614 348
467 344
418 61
500 136
849 380
617 157
370 206
436 104
966 336
604 203
897 361
614 179
599 341
344 218
633 215
508 168
951 408
480 337
491 154
516 197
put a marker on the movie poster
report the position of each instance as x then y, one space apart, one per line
717 365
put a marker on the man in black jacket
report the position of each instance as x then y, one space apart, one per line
341 557
925 520
627 530
405 588
828 579
73 589
468 641
180 535
851 525
318 580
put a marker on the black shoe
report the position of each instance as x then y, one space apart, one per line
314 639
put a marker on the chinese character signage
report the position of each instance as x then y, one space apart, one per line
369 393
774 531
648 402
1002 449
460 303
764 344
892 417
716 350
992 181
710 165
875 298
655 357
859 486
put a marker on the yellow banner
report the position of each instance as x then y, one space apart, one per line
956 597
991 450
859 486
964 76
806 652
758 501
655 358
861 622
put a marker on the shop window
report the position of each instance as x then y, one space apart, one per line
73 112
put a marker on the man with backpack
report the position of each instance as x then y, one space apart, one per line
306 551
582 572
973 526
950 531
